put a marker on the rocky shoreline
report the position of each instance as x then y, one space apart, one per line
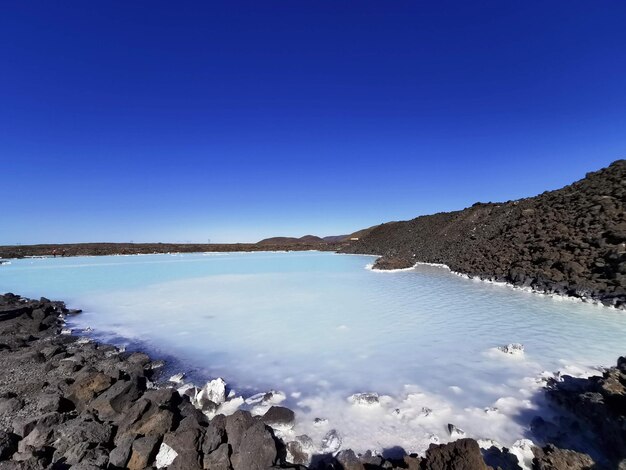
571 241
68 402
107 249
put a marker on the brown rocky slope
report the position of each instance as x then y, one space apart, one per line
570 241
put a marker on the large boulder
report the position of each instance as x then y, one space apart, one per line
84 454
257 450
37 439
144 451
219 459
463 454
187 444
296 453
552 458
85 388
23 426
279 416
119 456
163 397
349 461
54 401
215 434
8 444
117 398
126 421
156 424
138 358
84 429
236 425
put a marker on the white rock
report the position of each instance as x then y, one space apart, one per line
513 348
331 442
523 450
254 399
365 399
454 431
66 331
177 378
488 444
425 411
273 397
214 390
166 456
183 388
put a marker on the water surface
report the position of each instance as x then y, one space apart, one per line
320 327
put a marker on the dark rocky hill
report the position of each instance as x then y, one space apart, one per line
570 241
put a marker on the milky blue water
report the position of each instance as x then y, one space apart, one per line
320 327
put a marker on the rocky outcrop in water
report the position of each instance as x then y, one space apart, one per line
571 241
66 402
597 412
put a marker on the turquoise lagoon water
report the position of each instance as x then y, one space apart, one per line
320 327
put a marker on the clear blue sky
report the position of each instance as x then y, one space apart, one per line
232 120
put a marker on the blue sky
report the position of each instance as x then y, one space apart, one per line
233 120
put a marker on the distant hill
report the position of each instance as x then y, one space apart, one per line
307 239
570 241
335 238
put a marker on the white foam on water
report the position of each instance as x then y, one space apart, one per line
320 329
528 289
